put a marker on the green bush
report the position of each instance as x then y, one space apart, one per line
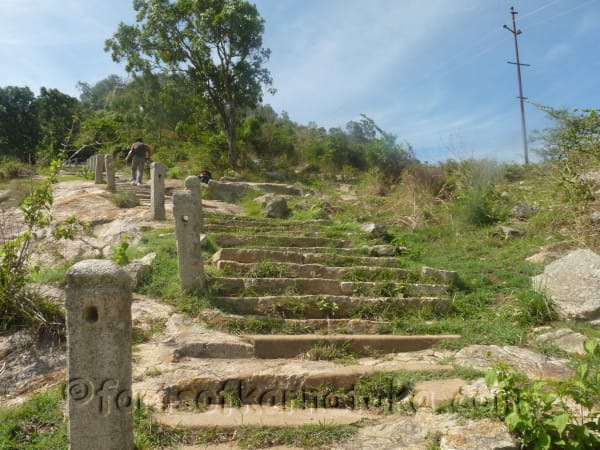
552 414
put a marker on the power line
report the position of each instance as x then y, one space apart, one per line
518 64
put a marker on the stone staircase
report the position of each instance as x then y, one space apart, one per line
310 292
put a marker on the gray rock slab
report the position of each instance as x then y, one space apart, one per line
531 363
573 284
565 339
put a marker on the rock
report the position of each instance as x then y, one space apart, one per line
375 230
443 276
572 283
382 250
277 208
543 257
565 339
436 393
235 191
511 233
522 211
532 364
139 269
419 431
595 217
190 339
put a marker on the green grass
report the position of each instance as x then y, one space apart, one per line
37 424
312 436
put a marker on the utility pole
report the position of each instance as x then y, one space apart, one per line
515 33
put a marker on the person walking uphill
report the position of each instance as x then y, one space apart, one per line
138 154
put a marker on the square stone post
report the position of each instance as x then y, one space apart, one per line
109 163
158 172
187 213
98 304
99 169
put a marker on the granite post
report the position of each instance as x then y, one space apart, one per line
158 173
99 169
109 164
187 213
98 304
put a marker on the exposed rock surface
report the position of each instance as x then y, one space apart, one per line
573 284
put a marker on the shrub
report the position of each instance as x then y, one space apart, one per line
542 412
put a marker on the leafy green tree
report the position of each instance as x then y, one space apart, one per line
56 113
101 94
217 44
19 124
574 144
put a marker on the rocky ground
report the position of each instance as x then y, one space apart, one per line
187 350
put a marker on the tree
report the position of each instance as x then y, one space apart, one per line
19 125
56 112
217 44
574 144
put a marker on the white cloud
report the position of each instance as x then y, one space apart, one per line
556 52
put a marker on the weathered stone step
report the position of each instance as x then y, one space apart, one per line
317 385
259 416
290 346
243 221
271 240
236 323
293 270
326 306
312 255
222 286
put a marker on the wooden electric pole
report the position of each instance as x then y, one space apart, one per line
515 33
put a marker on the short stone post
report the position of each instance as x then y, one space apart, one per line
109 163
187 213
158 173
98 304
99 169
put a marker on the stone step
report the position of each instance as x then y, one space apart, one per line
224 286
251 222
236 323
301 384
273 240
291 346
292 270
327 306
311 255
257 416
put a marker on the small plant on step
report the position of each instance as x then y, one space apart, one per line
329 307
120 255
331 351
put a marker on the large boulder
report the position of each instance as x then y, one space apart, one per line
572 283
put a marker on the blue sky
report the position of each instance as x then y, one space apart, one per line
434 72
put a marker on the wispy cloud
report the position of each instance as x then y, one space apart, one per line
556 52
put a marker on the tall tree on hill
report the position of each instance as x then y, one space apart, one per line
19 125
217 44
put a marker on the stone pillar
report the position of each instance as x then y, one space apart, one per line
99 169
98 304
158 173
187 213
109 163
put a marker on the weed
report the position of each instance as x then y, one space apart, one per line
331 351
120 254
329 307
267 269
